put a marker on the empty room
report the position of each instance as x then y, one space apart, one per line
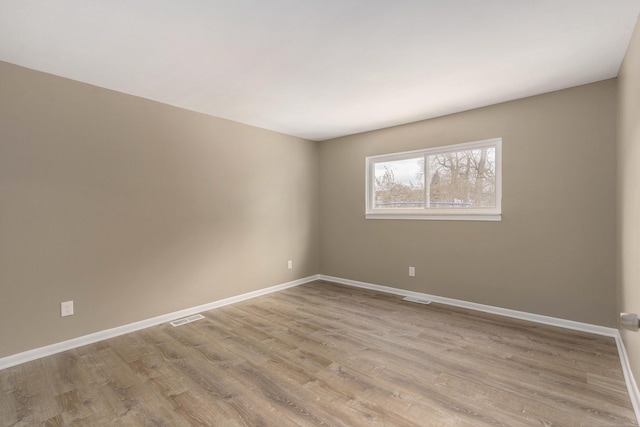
319 213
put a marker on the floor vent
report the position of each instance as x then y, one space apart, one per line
187 320
418 300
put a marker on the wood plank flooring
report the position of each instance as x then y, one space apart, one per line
323 354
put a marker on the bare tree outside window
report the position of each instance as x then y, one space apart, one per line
463 179
400 184
448 180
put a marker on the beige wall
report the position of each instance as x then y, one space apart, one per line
135 209
629 194
554 251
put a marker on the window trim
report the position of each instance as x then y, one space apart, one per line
473 214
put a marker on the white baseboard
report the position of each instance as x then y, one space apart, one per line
632 386
537 318
37 353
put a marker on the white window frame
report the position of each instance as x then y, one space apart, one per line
425 213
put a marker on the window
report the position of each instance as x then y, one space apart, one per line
457 182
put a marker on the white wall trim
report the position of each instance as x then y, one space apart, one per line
632 386
537 318
467 217
37 353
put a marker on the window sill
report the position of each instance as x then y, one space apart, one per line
468 217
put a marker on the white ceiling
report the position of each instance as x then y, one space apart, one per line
319 69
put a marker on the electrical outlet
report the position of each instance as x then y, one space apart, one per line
66 308
412 271
290 265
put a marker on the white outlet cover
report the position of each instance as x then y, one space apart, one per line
412 271
289 265
66 308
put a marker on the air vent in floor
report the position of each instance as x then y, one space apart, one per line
189 319
418 300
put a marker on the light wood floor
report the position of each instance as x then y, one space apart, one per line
322 354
